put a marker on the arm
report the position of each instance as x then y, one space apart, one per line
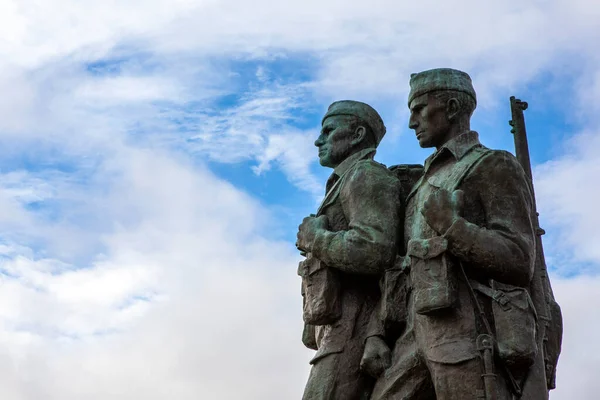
504 246
376 356
371 202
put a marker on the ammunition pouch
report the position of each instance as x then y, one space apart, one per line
432 273
552 343
309 338
515 320
321 291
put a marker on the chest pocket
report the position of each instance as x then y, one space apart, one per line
321 287
436 181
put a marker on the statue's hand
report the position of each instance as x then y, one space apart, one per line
376 357
307 231
442 209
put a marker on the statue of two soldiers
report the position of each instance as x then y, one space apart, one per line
416 278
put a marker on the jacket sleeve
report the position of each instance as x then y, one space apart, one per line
370 199
504 247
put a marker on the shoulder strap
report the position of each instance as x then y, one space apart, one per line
466 165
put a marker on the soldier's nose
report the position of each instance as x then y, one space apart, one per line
412 124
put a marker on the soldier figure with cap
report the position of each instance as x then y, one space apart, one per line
348 244
470 251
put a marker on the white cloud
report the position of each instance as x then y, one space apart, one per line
358 50
580 357
148 277
259 129
124 89
186 295
568 197
294 152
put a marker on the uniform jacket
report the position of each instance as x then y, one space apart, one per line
362 206
493 240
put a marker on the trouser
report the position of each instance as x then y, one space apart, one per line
412 377
337 376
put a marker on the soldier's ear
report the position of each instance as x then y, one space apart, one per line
452 108
359 134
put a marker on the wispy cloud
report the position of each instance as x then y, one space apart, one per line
182 277
576 377
568 198
128 270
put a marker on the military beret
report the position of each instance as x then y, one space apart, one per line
363 111
440 79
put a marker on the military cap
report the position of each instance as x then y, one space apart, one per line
440 79
363 111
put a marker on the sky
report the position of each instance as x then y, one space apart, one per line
157 157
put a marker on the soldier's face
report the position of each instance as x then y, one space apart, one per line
335 140
429 120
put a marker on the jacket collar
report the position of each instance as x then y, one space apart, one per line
353 159
458 147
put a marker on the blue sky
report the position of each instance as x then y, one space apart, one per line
157 158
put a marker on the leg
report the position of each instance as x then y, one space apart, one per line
463 381
408 377
337 377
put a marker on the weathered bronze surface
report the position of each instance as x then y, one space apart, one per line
464 307
348 243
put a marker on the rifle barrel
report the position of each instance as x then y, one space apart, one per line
520 135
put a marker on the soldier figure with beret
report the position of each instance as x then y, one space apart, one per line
470 251
347 244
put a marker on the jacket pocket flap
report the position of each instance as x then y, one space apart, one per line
325 351
453 352
435 181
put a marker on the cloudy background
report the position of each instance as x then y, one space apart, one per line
156 159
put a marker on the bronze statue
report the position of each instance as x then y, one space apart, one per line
348 243
464 308
469 329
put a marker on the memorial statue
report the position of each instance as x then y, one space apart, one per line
462 295
427 282
350 241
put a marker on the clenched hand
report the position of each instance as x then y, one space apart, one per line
307 231
442 209
376 357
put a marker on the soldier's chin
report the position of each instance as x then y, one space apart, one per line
324 161
424 142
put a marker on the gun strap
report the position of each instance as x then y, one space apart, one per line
513 382
470 161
